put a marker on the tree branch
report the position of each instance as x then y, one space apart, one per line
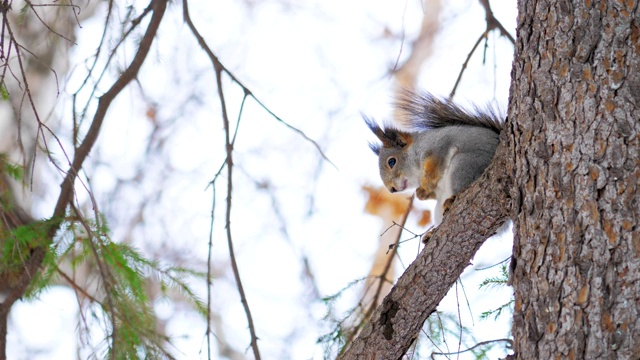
476 214
247 91
483 343
219 69
381 279
129 74
492 24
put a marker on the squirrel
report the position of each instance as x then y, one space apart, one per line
443 149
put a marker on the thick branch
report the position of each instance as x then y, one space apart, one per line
477 214
66 194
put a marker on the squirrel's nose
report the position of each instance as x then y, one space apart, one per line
393 189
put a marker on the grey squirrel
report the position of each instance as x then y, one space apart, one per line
442 150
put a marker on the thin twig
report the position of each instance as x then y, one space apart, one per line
219 68
247 91
382 277
509 341
442 331
492 24
77 287
464 65
112 54
402 38
104 103
32 6
432 342
387 266
234 264
76 123
494 265
209 256
464 292
35 57
106 275
459 319
23 72
210 245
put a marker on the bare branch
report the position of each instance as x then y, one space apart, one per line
492 24
247 91
382 277
129 74
134 24
466 62
219 69
508 341
33 6
77 287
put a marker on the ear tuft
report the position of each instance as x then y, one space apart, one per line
374 127
377 131
375 148
390 137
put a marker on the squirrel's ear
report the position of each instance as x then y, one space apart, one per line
396 139
402 138
390 137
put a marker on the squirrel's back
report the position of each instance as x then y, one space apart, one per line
425 111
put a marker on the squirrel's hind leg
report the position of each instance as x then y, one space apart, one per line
466 167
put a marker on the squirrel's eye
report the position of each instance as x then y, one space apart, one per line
391 162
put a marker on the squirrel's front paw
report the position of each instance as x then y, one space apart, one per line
446 206
427 236
422 194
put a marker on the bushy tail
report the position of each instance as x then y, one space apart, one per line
426 111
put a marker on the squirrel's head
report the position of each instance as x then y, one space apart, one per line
396 170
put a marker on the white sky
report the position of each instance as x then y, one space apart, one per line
318 65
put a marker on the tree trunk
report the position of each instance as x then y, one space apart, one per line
575 99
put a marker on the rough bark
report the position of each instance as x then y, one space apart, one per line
476 215
575 99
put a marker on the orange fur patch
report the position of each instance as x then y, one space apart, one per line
425 218
431 167
431 174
